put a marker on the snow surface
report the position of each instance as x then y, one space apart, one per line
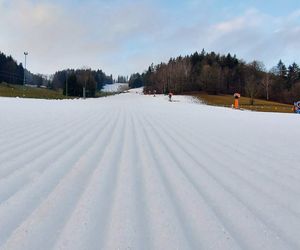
115 87
139 172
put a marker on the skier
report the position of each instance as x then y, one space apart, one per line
170 96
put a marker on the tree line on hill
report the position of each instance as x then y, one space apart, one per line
121 79
209 72
136 80
73 81
12 72
221 74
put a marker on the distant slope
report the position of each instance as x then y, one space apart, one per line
116 87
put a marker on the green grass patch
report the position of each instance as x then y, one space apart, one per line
11 90
259 105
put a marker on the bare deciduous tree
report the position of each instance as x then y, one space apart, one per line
266 83
253 79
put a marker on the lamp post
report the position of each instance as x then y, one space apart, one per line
24 82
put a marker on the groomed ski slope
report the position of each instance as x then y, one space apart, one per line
115 87
138 172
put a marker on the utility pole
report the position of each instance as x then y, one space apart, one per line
84 89
24 82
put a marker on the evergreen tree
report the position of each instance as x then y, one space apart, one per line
135 81
12 72
293 74
281 70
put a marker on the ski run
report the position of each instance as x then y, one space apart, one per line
139 172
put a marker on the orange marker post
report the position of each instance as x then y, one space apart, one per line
236 100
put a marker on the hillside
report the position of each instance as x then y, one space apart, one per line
259 105
11 90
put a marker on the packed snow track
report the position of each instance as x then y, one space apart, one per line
139 172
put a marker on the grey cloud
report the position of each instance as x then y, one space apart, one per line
127 36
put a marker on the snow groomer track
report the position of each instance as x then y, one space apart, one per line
139 172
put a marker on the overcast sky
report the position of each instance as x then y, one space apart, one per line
126 36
